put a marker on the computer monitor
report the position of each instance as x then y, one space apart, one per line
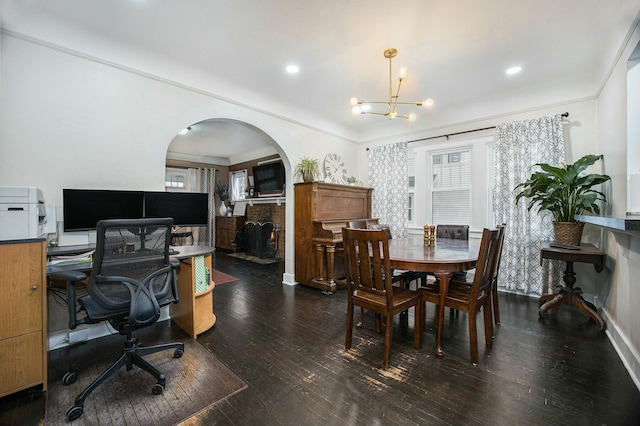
83 208
186 208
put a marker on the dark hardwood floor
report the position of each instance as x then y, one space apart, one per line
287 343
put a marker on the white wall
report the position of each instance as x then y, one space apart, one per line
69 121
619 291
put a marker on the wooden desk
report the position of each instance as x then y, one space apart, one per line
566 293
194 310
443 259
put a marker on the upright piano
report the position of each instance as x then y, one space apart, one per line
321 211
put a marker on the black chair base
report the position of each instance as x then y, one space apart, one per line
131 355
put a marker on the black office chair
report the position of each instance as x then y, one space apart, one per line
131 279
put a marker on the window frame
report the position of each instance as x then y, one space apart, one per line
480 182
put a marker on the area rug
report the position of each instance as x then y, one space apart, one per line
221 278
195 382
254 259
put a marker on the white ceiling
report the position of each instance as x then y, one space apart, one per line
456 52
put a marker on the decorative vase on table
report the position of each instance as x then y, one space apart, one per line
223 209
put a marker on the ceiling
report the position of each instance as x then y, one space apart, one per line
456 53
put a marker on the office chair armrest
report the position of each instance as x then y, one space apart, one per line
71 277
174 286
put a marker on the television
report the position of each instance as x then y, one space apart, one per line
83 208
269 179
186 208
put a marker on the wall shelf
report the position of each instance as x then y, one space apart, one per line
627 224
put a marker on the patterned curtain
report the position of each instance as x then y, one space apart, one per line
389 178
520 145
205 181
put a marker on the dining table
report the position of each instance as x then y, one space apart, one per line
443 257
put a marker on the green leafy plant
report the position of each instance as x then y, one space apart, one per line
307 169
563 191
222 189
351 179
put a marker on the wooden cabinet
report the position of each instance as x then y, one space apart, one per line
23 313
194 310
226 227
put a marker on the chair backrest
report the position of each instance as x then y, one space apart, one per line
487 260
454 232
501 229
367 261
131 268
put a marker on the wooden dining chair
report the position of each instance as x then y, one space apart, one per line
470 297
495 308
396 276
494 285
369 285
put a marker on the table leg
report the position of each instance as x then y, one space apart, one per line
443 277
570 296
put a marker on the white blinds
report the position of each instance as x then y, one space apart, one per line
451 188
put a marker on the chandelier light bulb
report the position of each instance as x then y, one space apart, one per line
412 117
356 110
428 103
354 101
403 72
392 115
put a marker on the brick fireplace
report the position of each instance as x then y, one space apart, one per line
265 230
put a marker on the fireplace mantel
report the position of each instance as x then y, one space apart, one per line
262 200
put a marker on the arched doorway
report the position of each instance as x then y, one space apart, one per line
227 145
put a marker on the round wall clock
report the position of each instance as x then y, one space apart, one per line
334 168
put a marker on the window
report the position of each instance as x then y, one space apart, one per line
449 183
238 185
451 187
175 178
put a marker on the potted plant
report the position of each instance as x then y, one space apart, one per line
351 180
222 189
565 193
308 169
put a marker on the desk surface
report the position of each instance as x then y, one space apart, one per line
184 252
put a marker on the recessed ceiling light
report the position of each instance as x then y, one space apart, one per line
292 69
513 70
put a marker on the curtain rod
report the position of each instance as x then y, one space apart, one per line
563 115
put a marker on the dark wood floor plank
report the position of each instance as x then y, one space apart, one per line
287 343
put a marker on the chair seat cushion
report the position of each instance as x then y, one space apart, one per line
402 299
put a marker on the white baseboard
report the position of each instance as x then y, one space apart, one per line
289 279
630 358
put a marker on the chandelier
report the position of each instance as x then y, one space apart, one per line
359 106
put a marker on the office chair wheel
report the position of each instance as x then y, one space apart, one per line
74 413
69 378
157 389
178 353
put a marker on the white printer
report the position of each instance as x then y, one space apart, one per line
22 212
